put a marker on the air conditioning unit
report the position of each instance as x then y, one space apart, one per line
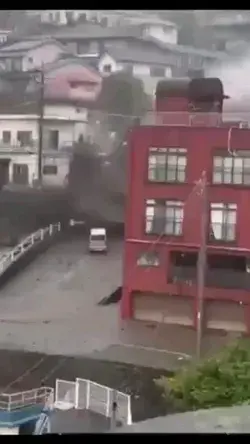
243 125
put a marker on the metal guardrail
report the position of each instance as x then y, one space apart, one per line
27 244
19 400
85 394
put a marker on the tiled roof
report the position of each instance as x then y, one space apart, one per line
181 49
74 61
24 46
86 31
148 56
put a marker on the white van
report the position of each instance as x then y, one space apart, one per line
98 240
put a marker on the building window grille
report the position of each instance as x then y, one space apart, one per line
167 165
231 170
223 218
164 217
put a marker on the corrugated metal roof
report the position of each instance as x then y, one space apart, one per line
221 420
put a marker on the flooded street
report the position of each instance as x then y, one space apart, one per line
134 380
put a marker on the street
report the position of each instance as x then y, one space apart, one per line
52 307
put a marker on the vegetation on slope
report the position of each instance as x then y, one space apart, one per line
220 381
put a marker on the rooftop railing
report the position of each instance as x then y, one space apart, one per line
19 400
212 119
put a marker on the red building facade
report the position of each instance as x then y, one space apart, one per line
170 166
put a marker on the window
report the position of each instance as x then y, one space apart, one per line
107 68
53 139
223 222
157 71
174 218
6 137
49 170
148 259
231 170
167 165
20 174
24 138
164 217
17 64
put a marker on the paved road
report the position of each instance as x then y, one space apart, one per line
51 307
78 421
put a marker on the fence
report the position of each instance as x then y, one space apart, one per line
85 394
27 244
14 401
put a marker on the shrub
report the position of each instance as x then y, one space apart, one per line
220 381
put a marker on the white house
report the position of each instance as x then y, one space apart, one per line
30 54
162 30
149 66
19 135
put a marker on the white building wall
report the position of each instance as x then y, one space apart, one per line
107 60
141 70
163 33
51 180
69 130
72 112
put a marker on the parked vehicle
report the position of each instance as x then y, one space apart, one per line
98 240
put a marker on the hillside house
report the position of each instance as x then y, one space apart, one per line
19 138
230 31
151 40
26 55
72 80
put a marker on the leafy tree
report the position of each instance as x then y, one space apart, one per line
121 99
123 94
220 381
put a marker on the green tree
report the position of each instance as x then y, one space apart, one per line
220 381
123 94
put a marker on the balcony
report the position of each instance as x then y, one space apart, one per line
219 278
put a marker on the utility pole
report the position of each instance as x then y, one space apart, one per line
40 129
201 266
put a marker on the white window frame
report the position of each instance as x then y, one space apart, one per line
170 217
223 222
231 170
167 165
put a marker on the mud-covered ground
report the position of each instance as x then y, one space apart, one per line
137 381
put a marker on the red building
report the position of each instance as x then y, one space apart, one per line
189 187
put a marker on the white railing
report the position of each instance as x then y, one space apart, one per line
19 400
65 394
85 394
27 244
